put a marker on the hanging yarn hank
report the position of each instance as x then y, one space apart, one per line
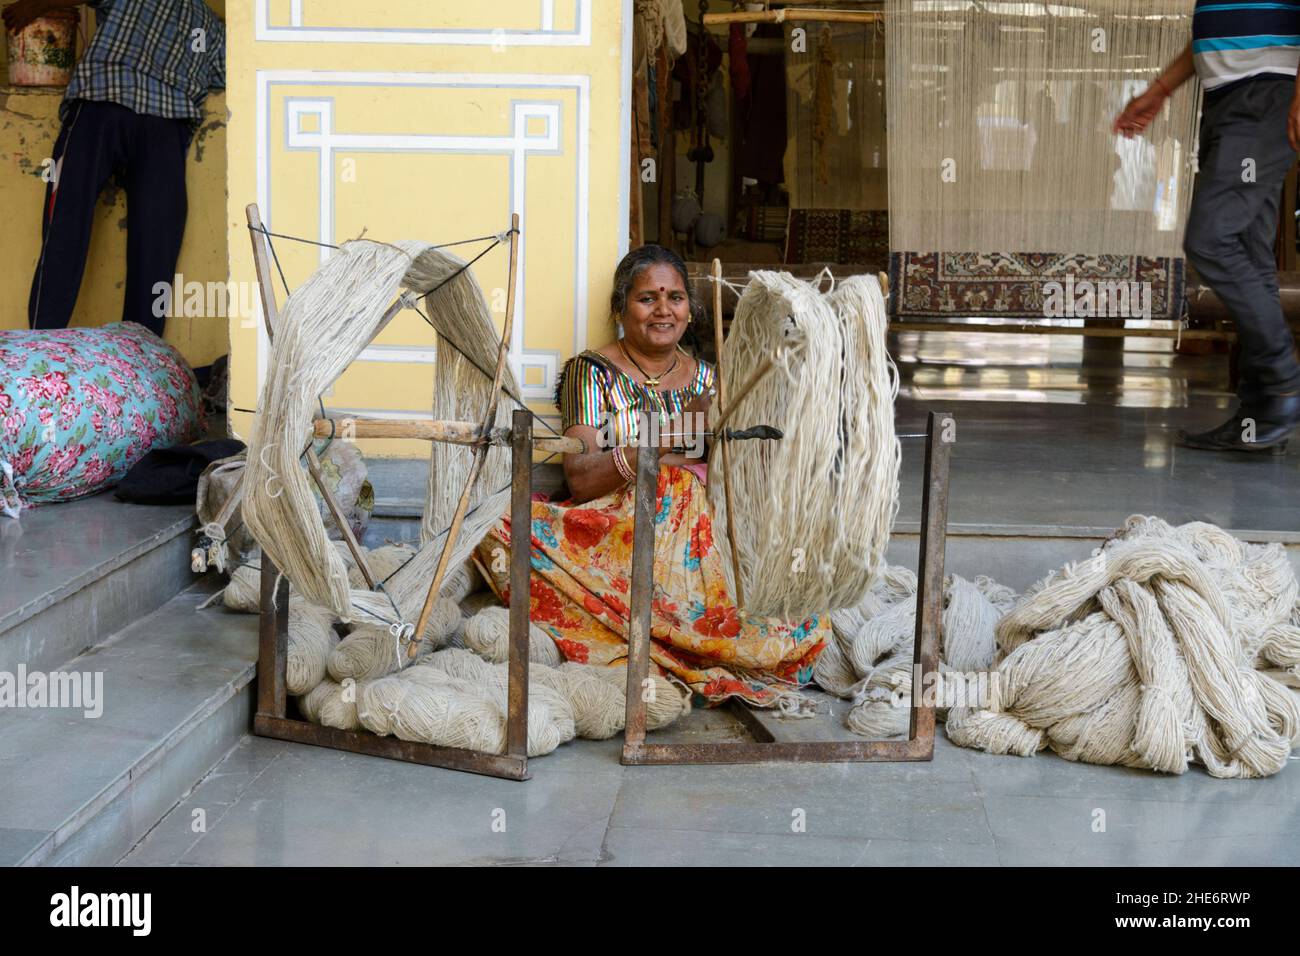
325 325
814 509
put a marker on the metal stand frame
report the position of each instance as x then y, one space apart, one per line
272 720
765 747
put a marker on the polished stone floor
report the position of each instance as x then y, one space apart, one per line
1058 441
272 803
1061 434
1061 369
51 550
1040 467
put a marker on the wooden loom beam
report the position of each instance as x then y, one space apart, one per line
727 497
428 429
793 16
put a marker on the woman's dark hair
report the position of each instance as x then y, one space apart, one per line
636 262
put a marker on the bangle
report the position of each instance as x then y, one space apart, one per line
621 465
1168 93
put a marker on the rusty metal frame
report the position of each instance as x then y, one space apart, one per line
765 747
272 717
272 720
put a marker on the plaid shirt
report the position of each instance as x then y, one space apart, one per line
143 57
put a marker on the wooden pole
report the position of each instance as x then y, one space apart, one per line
313 466
640 600
929 572
262 266
521 569
791 16
727 498
760 373
427 429
489 418
273 640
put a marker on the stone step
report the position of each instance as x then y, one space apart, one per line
72 574
176 696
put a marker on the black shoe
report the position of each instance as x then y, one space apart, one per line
1216 439
1275 419
1267 427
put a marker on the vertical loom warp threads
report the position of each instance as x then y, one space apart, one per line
1005 141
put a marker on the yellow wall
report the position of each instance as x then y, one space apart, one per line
29 125
432 120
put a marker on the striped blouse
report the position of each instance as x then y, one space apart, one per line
592 389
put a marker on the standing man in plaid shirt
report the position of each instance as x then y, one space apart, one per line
134 104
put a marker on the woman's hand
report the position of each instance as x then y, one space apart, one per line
686 431
677 460
1140 112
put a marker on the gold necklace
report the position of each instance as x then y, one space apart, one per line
652 381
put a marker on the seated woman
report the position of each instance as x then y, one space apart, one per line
582 546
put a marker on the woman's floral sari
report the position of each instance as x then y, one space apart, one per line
582 558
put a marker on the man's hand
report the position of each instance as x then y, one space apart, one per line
1293 123
1139 113
18 15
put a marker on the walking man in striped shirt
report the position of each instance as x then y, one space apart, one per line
131 109
1245 54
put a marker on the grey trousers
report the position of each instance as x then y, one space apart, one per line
1233 222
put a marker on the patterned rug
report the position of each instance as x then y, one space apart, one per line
928 285
860 237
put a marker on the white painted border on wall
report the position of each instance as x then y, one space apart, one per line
548 359
546 36
625 135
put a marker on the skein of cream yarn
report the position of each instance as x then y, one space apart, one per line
425 703
332 704
311 640
371 651
487 634
1147 655
243 592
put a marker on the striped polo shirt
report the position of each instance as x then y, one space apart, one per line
1236 41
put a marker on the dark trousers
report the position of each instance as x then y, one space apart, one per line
147 153
1233 222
